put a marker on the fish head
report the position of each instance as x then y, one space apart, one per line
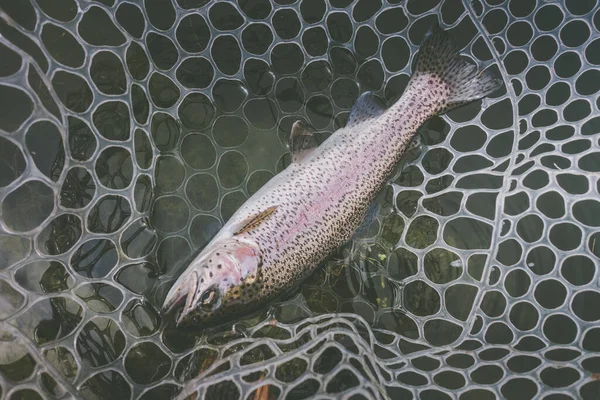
219 283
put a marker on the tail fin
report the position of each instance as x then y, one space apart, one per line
440 64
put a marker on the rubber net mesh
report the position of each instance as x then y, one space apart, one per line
131 130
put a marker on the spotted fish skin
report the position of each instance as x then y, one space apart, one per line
277 238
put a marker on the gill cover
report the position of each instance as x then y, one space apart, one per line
216 279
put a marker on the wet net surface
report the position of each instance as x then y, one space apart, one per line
130 131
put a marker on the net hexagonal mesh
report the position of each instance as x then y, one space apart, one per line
130 131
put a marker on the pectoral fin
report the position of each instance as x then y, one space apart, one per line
255 220
302 141
370 216
366 107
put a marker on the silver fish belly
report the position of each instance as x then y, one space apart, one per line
300 216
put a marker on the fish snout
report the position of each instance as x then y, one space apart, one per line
182 292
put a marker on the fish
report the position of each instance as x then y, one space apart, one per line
279 236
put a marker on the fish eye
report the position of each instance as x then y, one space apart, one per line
207 297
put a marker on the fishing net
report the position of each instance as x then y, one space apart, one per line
130 131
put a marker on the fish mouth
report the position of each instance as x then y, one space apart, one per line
191 301
181 292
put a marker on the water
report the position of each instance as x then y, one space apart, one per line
131 132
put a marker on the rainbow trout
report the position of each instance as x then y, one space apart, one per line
278 237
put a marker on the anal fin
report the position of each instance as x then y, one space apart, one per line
414 144
302 141
253 221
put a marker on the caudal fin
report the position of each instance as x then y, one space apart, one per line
448 75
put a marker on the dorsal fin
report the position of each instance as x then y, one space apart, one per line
366 107
302 141
255 220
